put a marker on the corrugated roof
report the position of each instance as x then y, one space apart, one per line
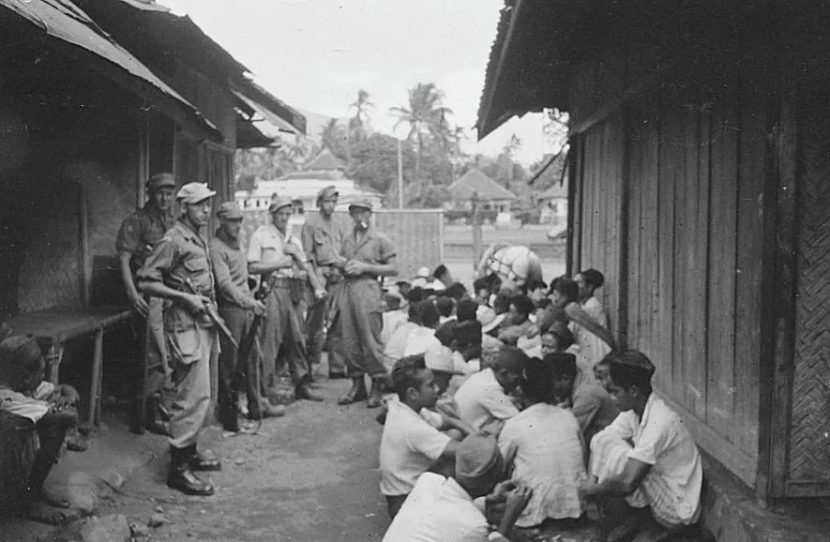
282 116
270 122
63 20
474 181
557 191
248 136
326 160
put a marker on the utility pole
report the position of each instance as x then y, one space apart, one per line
400 176
476 218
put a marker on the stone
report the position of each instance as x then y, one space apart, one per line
139 531
157 520
111 528
82 492
112 478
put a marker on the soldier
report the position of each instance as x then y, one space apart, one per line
323 236
139 233
178 266
273 250
369 255
237 307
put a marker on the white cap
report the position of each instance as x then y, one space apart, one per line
439 358
423 272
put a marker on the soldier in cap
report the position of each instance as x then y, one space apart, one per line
179 270
323 236
278 256
139 233
236 307
369 255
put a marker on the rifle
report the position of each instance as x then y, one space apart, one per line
210 310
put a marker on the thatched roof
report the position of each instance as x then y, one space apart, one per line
326 160
474 181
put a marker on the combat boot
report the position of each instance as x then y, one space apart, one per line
376 394
202 461
357 393
180 476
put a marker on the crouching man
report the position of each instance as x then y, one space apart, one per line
179 262
34 418
646 457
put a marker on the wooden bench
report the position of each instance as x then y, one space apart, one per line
61 324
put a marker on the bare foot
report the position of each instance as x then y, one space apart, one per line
44 513
53 499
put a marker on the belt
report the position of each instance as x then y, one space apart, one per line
282 282
363 276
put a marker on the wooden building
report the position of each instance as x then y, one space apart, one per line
700 156
493 196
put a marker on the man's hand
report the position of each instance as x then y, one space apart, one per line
290 249
354 268
195 304
320 294
139 304
503 488
67 397
259 308
517 500
586 487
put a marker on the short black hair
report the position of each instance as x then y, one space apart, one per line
502 302
561 364
532 285
567 287
466 310
630 368
493 281
446 333
429 292
593 278
415 295
537 379
428 313
414 312
408 373
510 358
456 290
444 305
523 304
440 271
480 284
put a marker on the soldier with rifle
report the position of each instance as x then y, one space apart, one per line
179 270
237 307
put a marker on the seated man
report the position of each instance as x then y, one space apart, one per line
521 307
410 446
483 401
38 412
394 348
543 449
420 338
442 509
444 415
593 407
393 317
445 306
647 456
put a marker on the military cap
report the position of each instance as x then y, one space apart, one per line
278 203
194 193
360 203
327 192
229 211
159 180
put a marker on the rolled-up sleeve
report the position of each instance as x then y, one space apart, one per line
254 254
160 261
386 250
128 235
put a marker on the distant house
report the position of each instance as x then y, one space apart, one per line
553 204
493 196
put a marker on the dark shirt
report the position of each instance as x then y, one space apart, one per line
372 247
230 269
323 239
139 233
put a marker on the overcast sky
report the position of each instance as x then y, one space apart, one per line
316 54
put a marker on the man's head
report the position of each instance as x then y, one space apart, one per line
482 291
509 367
478 465
520 309
414 383
602 372
557 338
404 287
280 210
429 314
438 359
22 366
537 384
414 312
563 291
161 190
361 212
415 295
456 291
194 199
537 291
444 305
466 310
502 302
443 274
630 379
588 281
562 368
393 301
230 219
327 200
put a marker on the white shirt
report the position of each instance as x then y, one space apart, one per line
661 440
481 400
438 510
267 246
419 340
543 444
392 320
408 448
396 346
591 347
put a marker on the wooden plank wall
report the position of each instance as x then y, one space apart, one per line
693 153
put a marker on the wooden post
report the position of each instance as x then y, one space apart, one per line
476 207
84 271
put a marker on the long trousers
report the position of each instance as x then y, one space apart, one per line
281 336
237 375
315 320
191 352
361 322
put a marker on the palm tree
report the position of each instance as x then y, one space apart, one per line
426 118
362 105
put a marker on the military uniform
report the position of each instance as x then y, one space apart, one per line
182 254
138 234
282 330
322 243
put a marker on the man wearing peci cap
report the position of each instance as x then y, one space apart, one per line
369 255
237 307
179 262
441 509
278 256
139 233
322 236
